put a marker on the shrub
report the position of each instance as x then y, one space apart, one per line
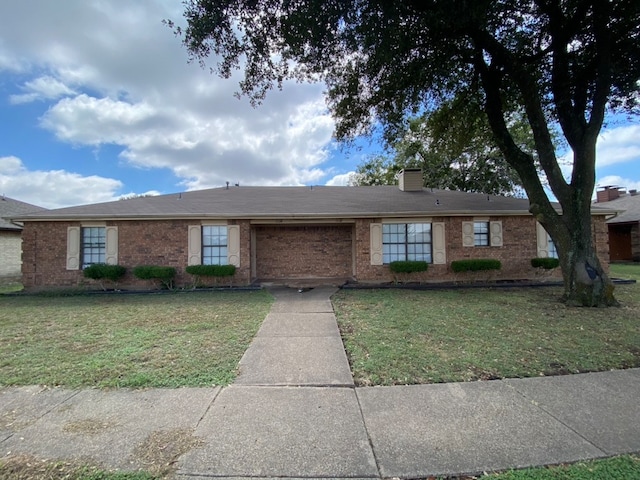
102 271
211 270
475 264
154 272
546 263
408 266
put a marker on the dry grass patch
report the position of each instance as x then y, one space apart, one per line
161 450
410 337
162 340
25 467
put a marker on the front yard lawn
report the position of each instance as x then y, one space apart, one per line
397 337
161 340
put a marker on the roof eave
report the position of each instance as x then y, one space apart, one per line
273 215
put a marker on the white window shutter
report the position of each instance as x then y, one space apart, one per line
375 239
467 234
438 243
194 245
495 230
73 248
233 245
542 241
111 246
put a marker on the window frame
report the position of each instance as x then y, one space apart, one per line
221 249
481 238
92 251
552 251
405 253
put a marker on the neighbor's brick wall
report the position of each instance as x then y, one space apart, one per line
304 251
635 242
10 255
139 243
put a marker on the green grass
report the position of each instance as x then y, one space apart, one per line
162 340
626 467
626 271
29 468
10 288
410 337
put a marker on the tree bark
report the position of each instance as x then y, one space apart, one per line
585 281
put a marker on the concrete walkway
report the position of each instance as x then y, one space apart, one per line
294 413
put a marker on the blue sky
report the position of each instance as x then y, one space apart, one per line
97 101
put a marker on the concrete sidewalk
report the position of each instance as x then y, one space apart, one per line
300 417
298 344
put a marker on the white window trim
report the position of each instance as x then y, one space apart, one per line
495 233
74 250
438 239
405 221
542 242
194 242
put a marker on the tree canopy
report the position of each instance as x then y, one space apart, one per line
558 61
454 147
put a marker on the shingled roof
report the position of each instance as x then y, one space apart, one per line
629 207
295 202
10 208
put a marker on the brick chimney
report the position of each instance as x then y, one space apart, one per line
410 180
608 193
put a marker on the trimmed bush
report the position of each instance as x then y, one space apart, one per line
154 272
102 271
475 265
546 263
408 266
211 270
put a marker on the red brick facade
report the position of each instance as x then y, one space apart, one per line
279 251
304 251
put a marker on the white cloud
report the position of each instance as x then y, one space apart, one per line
618 145
115 75
618 181
41 88
342 180
53 188
91 121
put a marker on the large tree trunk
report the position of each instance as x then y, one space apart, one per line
585 281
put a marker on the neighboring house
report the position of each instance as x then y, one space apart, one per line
624 228
10 238
286 233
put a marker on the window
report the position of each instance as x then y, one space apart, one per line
93 245
553 253
406 241
214 245
481 234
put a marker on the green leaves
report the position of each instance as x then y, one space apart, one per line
102 271
406 266
545 263
475 265
211 270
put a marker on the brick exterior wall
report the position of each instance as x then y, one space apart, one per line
300 251
139 243
304 251
519 247
10 255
